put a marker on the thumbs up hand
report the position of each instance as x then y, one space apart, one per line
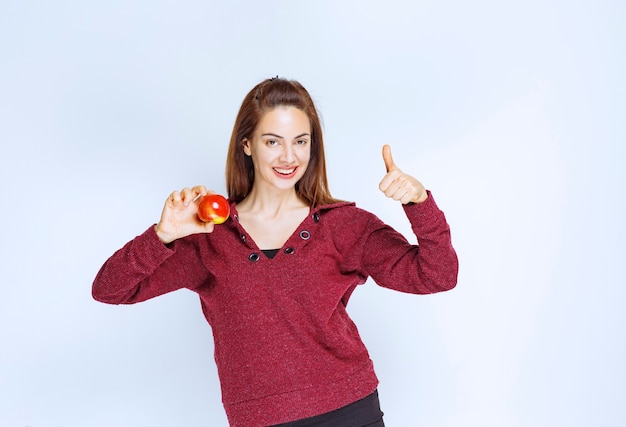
398 185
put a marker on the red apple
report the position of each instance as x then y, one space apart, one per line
214 208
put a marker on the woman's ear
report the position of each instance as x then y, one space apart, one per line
245 143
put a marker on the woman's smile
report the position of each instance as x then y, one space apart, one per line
286 173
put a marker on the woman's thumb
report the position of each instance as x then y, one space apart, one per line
389 164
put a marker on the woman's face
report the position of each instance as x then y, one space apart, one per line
280 148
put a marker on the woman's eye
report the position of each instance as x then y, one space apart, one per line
272 142
301 141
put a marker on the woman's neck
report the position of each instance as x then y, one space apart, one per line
271 219
271 203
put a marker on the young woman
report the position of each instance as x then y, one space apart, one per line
275 278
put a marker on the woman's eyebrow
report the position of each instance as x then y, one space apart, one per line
282 137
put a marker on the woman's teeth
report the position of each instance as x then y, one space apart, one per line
285 171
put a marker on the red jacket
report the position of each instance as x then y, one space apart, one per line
285 346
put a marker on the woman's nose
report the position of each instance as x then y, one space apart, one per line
288 154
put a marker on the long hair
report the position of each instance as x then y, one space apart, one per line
269 94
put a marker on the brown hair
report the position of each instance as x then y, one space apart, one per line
269 94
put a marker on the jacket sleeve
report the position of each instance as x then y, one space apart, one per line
145 268
428 267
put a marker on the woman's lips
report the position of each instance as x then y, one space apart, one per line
285 172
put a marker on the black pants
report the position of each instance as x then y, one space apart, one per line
362 413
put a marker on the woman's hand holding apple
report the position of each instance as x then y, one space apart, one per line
179 217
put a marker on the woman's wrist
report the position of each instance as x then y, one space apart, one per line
421 198
163 237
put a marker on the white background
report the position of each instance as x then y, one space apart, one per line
512 113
